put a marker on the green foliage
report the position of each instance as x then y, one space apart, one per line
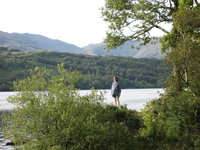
97 70
50 113
174 118
3 48
62 119
172 121
133 20
184 54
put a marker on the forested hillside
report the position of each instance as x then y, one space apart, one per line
98 71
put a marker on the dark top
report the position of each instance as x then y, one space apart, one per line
115 88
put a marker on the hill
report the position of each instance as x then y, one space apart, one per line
148 51
97 71
34 42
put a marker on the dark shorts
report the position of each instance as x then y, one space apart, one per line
115 96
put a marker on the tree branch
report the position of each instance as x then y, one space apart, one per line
162 29
197 3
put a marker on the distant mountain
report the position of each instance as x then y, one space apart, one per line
148 51
34 42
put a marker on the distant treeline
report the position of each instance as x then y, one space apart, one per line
97 71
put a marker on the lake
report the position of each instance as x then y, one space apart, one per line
133 98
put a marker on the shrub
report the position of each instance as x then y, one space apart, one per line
50 113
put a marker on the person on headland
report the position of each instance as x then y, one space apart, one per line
116 91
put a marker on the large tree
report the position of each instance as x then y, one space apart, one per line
182 46
135 19
175 116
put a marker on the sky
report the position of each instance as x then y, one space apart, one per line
76 22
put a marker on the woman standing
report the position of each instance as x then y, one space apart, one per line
116 91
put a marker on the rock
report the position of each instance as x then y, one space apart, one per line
10 143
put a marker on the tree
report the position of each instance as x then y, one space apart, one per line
176 114
172 121
183 44
134 19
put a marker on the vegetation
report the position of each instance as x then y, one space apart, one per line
98 71
52 120
172 122
62 119
135 19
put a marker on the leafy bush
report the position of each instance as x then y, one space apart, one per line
50 113
173 119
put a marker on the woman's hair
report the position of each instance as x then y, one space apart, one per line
116 78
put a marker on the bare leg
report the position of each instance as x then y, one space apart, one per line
117 101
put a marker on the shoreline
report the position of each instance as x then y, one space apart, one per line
135 99
4 142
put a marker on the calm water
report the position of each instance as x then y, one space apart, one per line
133 98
